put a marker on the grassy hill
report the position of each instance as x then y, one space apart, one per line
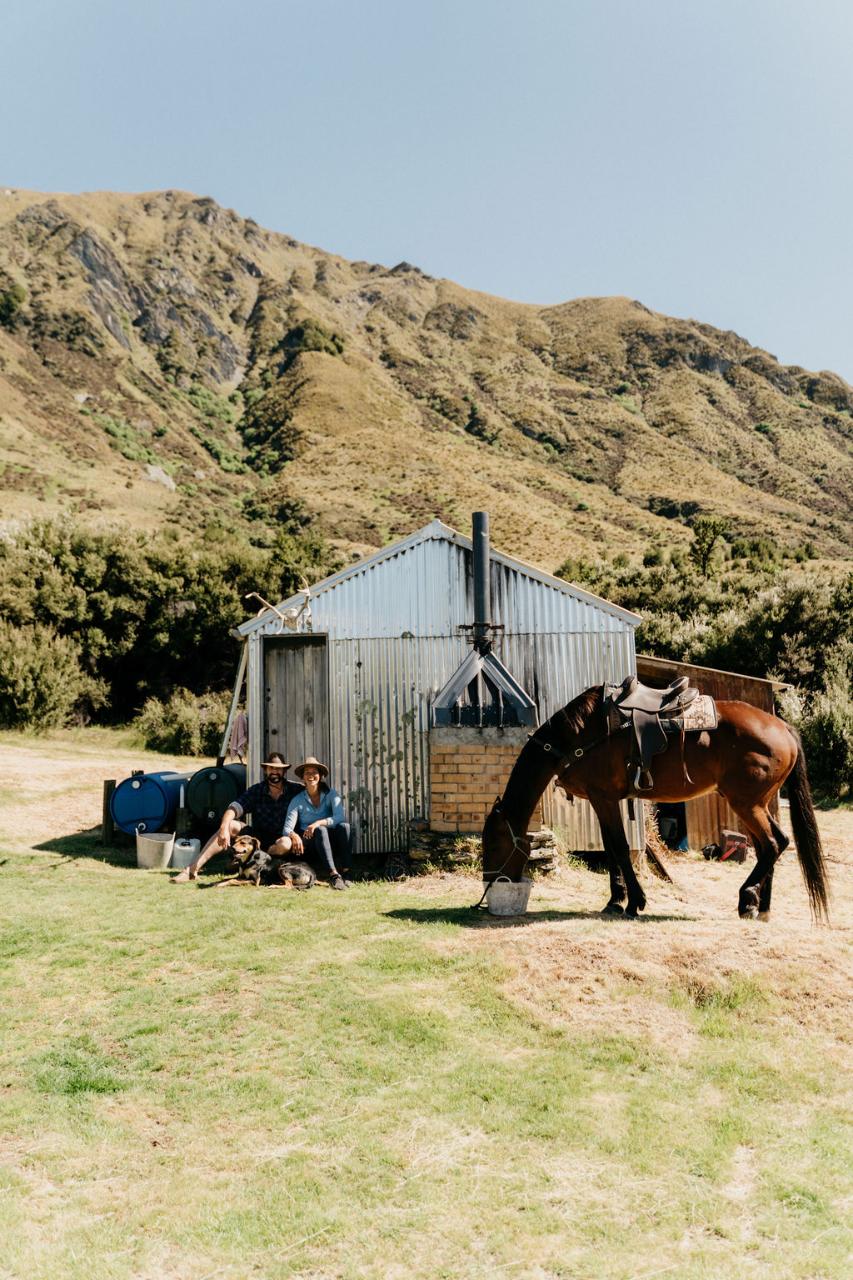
166 361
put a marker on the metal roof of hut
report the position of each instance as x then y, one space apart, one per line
428 613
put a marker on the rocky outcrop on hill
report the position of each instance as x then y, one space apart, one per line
159 335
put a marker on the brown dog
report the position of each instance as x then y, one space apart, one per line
296 875
249 861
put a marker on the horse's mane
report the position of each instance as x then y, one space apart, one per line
575 715
534 768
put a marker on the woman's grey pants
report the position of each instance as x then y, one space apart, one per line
330 848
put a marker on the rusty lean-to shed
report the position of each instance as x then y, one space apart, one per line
351 676
708 815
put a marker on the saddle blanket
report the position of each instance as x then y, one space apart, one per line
701 714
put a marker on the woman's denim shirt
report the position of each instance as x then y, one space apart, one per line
301 812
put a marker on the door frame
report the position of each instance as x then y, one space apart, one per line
290 640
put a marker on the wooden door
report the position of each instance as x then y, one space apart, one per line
296 697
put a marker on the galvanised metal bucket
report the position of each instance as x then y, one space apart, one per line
506 897
154 849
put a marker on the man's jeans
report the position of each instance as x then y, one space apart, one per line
330 848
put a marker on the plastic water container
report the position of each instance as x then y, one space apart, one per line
507 897
147 801
185 852
154 849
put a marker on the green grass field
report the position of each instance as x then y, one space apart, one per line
199 1083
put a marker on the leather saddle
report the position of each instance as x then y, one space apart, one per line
651 715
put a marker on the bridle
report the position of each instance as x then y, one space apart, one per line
566 761
518 846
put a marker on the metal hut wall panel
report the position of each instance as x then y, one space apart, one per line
393 642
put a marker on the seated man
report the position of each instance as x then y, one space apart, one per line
317 816
268 803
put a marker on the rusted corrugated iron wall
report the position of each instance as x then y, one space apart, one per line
719 684
708 815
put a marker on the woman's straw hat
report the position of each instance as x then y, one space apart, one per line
311 760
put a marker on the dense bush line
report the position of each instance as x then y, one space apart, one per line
742 607
105 625
96 623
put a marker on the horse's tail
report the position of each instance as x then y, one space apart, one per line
806 834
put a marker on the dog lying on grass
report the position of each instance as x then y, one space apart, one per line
253 865
296 875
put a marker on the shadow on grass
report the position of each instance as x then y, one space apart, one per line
87 844
476 918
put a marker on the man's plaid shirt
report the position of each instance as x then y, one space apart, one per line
268 814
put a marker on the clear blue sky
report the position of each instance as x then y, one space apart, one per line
697 157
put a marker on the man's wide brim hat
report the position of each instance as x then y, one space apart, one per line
311 760
275 764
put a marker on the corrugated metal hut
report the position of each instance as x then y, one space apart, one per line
708 815
351 672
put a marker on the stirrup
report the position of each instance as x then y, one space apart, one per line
640 774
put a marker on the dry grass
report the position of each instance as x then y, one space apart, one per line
384 1084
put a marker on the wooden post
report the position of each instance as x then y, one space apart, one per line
235 700
108 830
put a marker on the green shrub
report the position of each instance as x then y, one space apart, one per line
309 335
186 723
270 435
11 301
124 439
225 457
825 722
476 425
210 405
42 685
827 733
707 532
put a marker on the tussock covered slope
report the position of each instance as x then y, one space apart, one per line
166 361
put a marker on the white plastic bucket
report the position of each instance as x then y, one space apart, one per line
154 849
185 852
507 897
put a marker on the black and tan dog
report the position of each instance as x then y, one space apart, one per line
296 875
250 863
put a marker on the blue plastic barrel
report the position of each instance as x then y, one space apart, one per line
147 801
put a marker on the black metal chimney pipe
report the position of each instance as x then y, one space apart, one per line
482 585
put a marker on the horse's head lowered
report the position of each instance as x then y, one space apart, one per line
505 851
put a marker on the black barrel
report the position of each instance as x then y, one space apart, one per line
211 790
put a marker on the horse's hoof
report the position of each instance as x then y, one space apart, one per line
632 913
764 916
748 904
613 909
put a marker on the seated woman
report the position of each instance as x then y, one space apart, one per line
316 817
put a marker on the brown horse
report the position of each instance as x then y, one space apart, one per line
746 759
